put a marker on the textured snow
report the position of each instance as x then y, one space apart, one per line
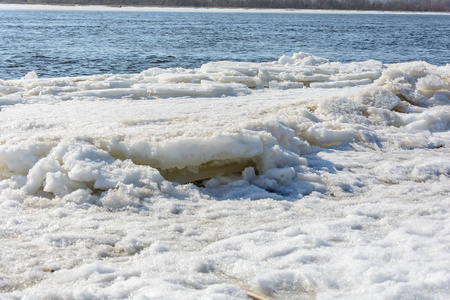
296 179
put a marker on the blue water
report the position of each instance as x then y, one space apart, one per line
73 43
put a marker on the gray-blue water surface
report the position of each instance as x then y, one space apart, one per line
73 43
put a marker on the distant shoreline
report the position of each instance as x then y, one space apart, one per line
68 7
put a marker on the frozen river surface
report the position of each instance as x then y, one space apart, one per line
295 179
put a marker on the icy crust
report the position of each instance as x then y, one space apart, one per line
404 107
418 83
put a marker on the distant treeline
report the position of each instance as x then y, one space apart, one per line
389 5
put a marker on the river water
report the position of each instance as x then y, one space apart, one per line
74 43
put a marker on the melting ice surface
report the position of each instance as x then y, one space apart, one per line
295 179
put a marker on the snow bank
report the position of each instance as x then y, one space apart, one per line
327 174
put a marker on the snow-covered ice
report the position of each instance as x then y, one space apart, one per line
295 179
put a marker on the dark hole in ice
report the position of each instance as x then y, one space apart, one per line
198 174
